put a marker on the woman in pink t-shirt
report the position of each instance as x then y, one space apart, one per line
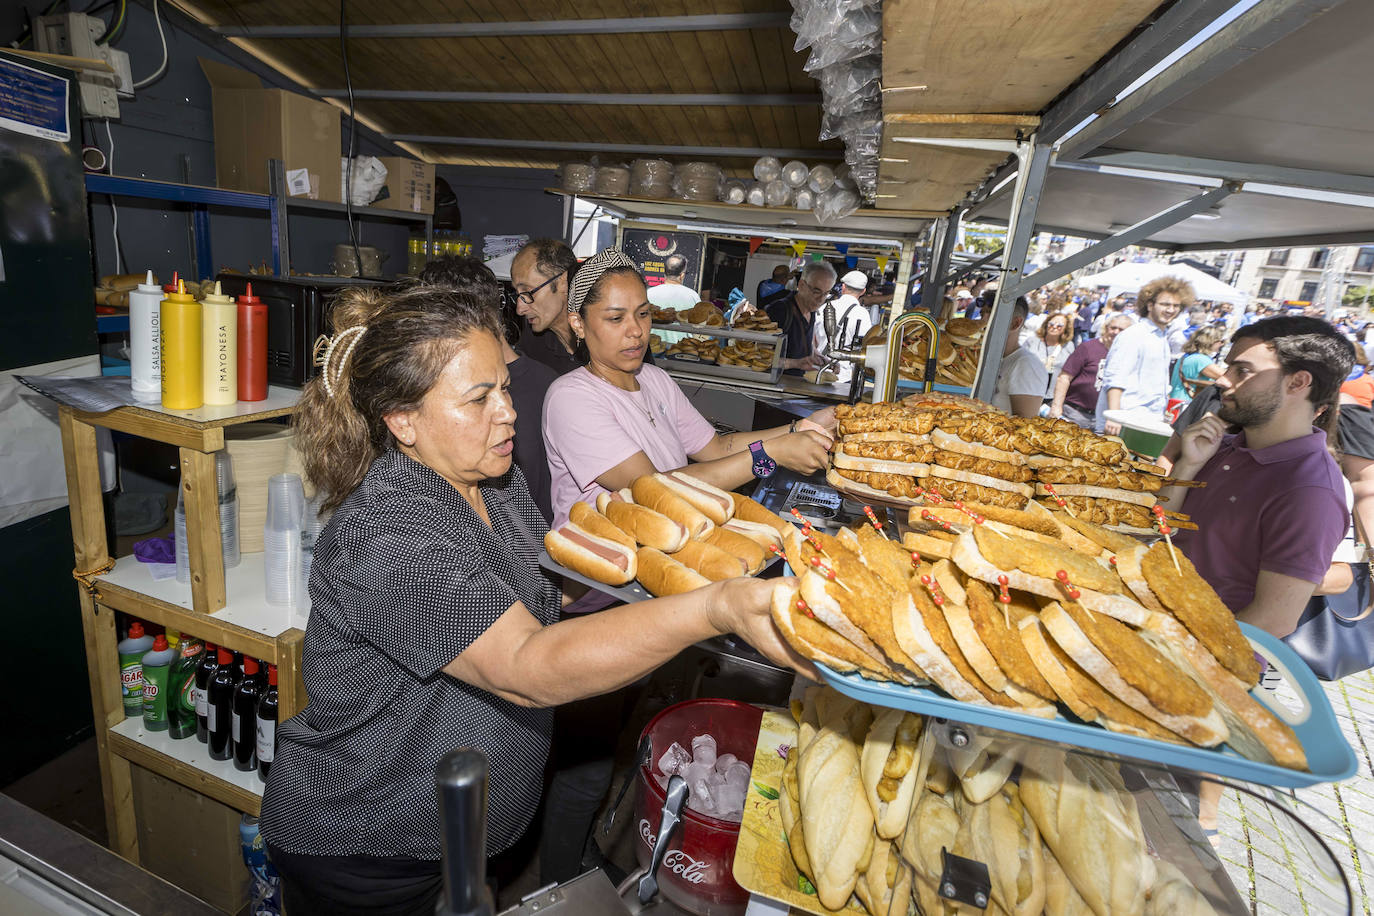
616 419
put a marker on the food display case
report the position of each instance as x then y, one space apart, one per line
727 338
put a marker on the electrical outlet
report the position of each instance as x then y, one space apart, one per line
75 34
124 77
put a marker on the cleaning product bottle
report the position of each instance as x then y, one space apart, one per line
145 346
131 652
246 716
219 334
181 688
157 665
205 669
267 724
220 708
182 385
252 347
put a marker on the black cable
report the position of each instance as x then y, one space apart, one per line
352 137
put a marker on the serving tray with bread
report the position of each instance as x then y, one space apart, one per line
663 535
852 808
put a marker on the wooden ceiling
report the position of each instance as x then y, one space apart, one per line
750 62
987 67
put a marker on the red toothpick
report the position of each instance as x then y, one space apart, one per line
1111 560
1059 500
915 560
805 608
1005 598
828 572
1063 577
1165 530
933 587
873 520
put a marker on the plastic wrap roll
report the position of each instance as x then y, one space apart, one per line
651 178
754 195
613 180
775 193
805 199
820 179
767 168
697 181
795 173
577 177
835 204
732 192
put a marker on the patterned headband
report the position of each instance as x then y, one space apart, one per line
591 271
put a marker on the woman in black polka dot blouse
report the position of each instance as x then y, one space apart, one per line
431 624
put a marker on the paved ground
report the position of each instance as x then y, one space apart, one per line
1274 864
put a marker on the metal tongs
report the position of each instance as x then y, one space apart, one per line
671 816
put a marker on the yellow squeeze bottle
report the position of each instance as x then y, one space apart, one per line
219 333
181 373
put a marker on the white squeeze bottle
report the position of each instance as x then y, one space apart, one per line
145 356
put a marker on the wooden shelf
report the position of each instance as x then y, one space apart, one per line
201 429
246 623
188 762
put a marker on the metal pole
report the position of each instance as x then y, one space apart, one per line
900 294
281 253
933 294
1030 182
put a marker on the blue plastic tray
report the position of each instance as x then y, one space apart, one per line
1329 755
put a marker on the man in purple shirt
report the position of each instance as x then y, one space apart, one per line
1273 508
1075 389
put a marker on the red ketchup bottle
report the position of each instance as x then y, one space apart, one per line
172 287
252 347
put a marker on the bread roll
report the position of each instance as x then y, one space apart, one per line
711 501
647 527
595 557
588 518
749 510
1091 824
652 491
738 545
712 562
661 575
999 834
892 765
837 822
933 827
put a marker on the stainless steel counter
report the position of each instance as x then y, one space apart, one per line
47 869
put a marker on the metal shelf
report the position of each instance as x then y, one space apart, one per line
305 203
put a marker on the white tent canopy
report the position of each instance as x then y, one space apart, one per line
1128 278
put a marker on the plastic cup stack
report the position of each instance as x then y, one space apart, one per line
281 540
183 549
228 493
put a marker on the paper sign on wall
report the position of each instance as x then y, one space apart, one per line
33 102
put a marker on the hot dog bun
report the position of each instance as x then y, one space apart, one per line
599 525
662 575
748 510
711 501
740 546
712 562
654 491
595 557
647 527
606 497
764 535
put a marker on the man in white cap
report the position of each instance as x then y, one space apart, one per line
852 320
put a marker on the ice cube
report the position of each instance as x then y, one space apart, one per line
700 797
704 750
715 779
729 801
674 759
738 773
723 762
694 772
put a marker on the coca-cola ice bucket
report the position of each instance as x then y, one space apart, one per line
697 871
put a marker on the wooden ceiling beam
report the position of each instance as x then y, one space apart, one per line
719 22
714 152
574 98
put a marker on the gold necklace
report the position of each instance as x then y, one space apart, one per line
648 414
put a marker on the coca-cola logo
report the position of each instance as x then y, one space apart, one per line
675 860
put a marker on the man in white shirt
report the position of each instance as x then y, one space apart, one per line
1135 375
671 294
852 320
1022 378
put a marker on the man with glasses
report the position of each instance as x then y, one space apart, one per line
796 315
540 273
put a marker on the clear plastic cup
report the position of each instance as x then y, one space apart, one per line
281 540
183 549
228 508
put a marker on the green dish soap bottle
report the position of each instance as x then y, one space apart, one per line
157 665
181 688
131 651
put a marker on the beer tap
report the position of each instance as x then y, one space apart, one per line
833 354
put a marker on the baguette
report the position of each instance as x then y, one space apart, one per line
933 829
884 888
738 545
837 822
1000 834
983 767
1091 824
661 575
1061 897
712 562
647 527
892 764
748 510
877 465
653 491
588 518
952 443
602 559
1066 490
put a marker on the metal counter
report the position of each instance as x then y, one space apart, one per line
47 869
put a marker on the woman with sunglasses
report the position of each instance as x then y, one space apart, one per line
615 419
1052 344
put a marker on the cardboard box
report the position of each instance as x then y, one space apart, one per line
409 185
190 840
253 124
